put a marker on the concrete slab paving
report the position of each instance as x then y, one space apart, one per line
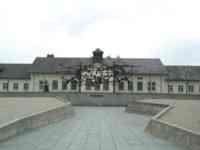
95 128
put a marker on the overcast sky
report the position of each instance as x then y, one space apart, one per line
166 29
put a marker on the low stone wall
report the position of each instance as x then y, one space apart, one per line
145 108
33 121
173 133
165 130
100 99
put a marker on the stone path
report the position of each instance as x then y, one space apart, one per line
92 128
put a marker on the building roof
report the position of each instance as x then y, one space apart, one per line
142 66
182 73
14 71
70 65
58 64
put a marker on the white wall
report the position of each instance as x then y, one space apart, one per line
50 77
159 80
161 85
175 84
20 85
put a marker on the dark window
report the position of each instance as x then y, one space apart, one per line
180 88
153 86
140 78
97 87
5 86
88 84
149 86
170 88
64 85
190 88
15 86
41 85
45 86
73 85
106 85
140 86
26 86
130 85
121 85
54 84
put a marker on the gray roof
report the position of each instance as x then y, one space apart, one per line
142 66
181 73
55 65
59 64
14 71
70 66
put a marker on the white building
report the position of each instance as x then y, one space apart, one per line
99 75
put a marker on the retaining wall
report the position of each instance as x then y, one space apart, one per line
145 108
173 133
101 99
35 120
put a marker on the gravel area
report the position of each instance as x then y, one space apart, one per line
12 108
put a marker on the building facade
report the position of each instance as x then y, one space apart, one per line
99 75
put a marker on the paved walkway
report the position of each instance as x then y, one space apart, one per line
92 128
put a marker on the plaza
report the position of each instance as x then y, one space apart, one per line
95 128
51 89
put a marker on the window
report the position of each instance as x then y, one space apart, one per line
15 86
5 86
130 85
64 85
73 85
26 86
88 84
180 88
97 87
41 85
121 85
54 84
140 86
170 88
190 88
151 86
106 85
140 78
